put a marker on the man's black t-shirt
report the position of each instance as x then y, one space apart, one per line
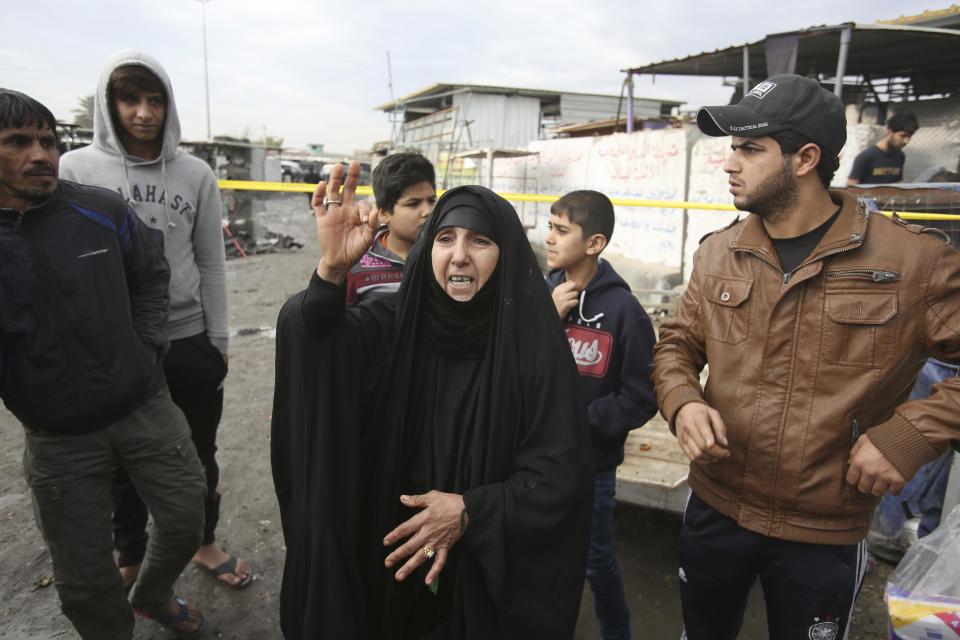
875 166
793 251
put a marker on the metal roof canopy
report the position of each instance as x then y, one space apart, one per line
431 97
929 57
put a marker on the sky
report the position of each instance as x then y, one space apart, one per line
312 72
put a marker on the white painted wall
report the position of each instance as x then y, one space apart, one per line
647 244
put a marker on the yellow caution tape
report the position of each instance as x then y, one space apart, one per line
300 187
282 187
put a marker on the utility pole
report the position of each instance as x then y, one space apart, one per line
396 120
206 73
389 77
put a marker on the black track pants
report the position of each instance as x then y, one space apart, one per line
809 589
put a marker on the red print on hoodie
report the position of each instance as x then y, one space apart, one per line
590 348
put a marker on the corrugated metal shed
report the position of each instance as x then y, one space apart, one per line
450 118
576 108
498 120
581 106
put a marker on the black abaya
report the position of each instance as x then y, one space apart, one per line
364 411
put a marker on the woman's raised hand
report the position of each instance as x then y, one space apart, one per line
345 228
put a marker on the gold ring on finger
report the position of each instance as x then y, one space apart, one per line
429 552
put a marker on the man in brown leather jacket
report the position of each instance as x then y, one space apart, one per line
815 317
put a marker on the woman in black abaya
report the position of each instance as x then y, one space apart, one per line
430 450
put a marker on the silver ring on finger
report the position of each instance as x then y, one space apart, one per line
327 202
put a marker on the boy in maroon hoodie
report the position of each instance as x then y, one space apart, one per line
404 186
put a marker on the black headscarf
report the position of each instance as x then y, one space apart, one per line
453 328
526 473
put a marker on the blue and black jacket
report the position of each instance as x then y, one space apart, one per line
611 338
83 306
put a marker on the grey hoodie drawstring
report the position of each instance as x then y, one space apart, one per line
168 223
583 297
126 177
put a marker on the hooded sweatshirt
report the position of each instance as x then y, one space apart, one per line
612 338
175 196
380 270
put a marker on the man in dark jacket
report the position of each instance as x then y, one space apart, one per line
83 305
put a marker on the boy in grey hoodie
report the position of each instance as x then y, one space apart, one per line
135 152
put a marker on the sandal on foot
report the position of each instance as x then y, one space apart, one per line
171 620
229 566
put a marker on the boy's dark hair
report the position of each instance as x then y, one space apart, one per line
18 110
903 122
592 210
130 79
397 172
790 142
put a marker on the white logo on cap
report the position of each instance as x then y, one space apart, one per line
750 127
762 89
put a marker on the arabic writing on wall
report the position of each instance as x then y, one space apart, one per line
646 165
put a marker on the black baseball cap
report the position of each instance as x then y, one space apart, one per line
777 104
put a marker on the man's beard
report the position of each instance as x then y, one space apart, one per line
36 195
774 199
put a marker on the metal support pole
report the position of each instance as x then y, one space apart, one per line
206 73
629 102
490 168
746 69
845 36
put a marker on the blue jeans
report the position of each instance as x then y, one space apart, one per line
603 572
924 493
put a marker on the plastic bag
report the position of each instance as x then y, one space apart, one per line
923 594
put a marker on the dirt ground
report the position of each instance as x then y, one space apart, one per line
250 523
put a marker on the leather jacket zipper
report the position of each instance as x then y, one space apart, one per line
809 260
828 254
877 275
